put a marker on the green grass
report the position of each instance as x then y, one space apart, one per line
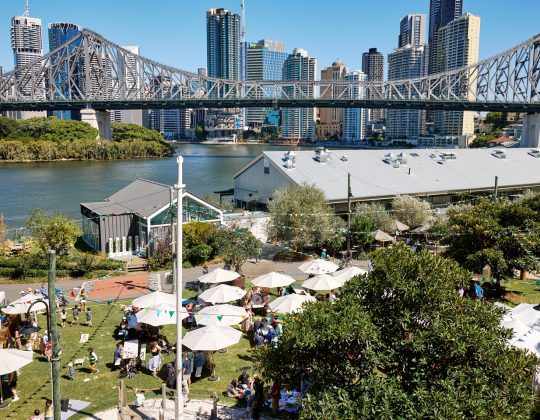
518 291
101 390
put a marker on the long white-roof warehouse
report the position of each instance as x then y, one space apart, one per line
378 175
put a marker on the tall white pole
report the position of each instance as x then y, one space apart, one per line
179 406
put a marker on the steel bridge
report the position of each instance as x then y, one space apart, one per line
91 72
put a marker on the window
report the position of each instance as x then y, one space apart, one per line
266 167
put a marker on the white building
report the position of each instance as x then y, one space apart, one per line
299 123
355 119
458 44
438 176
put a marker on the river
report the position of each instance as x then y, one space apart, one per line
61 186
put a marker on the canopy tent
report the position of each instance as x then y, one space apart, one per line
318 266
222 294
154 299
272 280
323 282
382 237
518 327
219 275
221 315
163 314
348 273
524 320
290 303
10 361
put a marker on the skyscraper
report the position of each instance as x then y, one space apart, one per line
458 47
299 123
65 87
441 13
27 46
265 61
407 62
412 31
373 68
355 119
331 119
223 47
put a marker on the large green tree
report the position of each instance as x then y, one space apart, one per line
55 232
124 131
503 234
236 246
300 217
400 343
411 211
57 130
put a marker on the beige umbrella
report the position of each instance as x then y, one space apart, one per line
154 299
290 303
323 282
211 338
381 236
221 315
10 361
222 294
348 273
22 308
163 314
318 266
272 280
28 298
402 227
219 275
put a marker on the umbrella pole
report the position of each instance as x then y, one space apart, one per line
213 377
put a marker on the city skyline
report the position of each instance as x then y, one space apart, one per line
160 39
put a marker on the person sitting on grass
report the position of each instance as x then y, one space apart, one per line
92 359
233 391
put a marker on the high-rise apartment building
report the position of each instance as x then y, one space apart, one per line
459 42
373 68
223 43
412 31
299 123
331 119
65 86
407 62
355 119
27 46
441 13
265 61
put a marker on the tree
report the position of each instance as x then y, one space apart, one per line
410 210
505 235
361 230
300 217
498 119
380 218
55 232
400 343
236 246
123 132
200 132
481 141
8 127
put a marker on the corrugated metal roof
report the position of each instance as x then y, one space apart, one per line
142 196
426 171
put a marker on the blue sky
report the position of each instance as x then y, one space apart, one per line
174 31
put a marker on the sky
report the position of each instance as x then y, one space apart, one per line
173 32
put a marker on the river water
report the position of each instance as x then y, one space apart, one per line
61 186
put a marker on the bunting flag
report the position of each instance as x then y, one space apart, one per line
171 313
158 312
244 317
109 302
72 294
220 317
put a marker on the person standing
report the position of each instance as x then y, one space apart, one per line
92 359
89 317
71 371
275 393
63 317
75 315
155 360
187 369
49 412
13 385
118 355
324 255
479 292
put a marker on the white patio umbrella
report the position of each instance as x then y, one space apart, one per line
219 275
159 315
153 299
28 298
348 273
211 338
222 294
11 360
318 266
22 308
221 315
323 282
272 280
290 303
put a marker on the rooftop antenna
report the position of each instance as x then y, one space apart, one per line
26 10
244 52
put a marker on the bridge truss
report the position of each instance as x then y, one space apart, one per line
91 72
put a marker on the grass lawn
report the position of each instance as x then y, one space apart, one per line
34 384
518 291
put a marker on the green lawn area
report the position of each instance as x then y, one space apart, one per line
518 291
34 384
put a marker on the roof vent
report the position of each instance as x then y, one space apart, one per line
290 160
433 156
321 155
402 157
448 156
535 153
499 154
344 158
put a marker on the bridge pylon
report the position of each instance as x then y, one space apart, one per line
530 135
100 120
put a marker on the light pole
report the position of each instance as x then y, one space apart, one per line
179 187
